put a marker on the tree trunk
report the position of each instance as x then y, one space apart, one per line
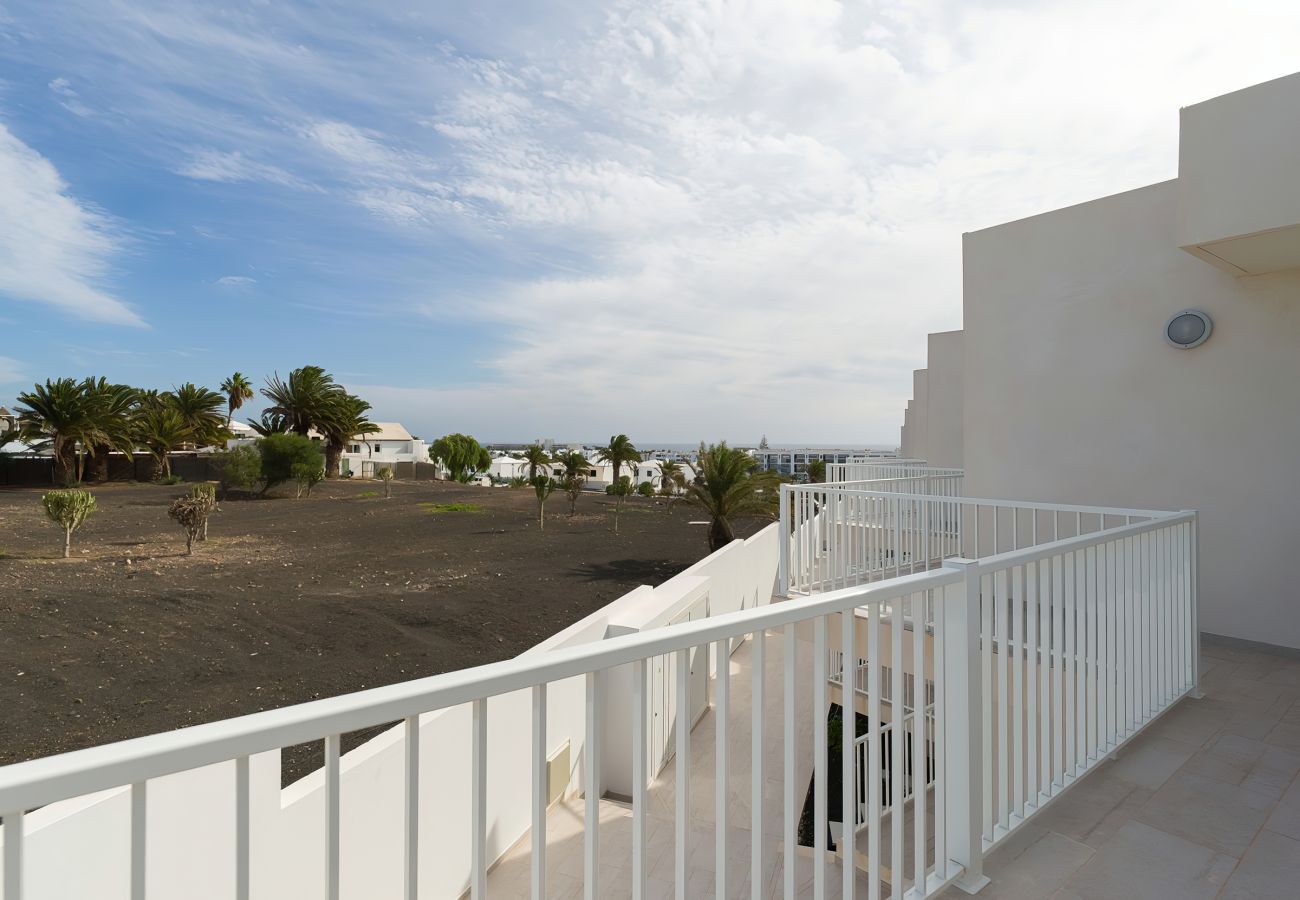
97 470
541 515
189 543
720 534
65 463
333 456
67 542
161 468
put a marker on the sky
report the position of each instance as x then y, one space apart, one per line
679 219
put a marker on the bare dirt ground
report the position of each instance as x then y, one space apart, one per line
293 600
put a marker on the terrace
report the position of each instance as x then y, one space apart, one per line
1049 648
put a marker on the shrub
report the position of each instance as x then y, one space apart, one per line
238 468
68 509
544 486
171 479
385 474
518 481
645 489
620 490
209 490
280 452
191 512
308 475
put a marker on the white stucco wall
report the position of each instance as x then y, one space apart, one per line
1238 159
944 393
1072 394
920 422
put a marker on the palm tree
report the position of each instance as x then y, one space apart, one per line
58 415
672 480
345 420
200 410
618 451
816 471
728 486
574 477
237 389
162 429
304 399
270 423
112 407
535 455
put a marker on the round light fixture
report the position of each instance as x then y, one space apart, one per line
1187 329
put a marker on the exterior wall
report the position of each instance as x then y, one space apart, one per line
945 391
1237 163
920 414
1073 395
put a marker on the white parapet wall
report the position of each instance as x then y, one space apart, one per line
191 846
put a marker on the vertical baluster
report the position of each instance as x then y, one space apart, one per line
1092 587
1058 673
1017 597
941 784
539 792
1071 692
139 834
640 712
682 769
478 800
787 782
874 768
987 661
332 817
920 749
13 852
1082 694
591 790
756 768
721 765
1042 606
1032 645
1112 669
411 810
897 753
243 796
819 758
1004 638
848 733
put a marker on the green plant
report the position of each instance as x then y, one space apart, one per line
200 411
573 485
172 479
302 402
536 457
385 474
58 415
343 419
729 486
307 475
191 513
161 429
68 509
240 467
281 452
620 491
462 456
368 494
205 489
645 489
816 471
237 389
544 486
451 507
672 481
617 452
518 481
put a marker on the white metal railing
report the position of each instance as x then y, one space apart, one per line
935 862
875 469
1042 660
836 536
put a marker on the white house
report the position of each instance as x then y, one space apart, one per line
391 443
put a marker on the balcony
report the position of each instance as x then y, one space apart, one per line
1045 647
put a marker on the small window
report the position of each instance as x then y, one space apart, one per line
377 446
593 474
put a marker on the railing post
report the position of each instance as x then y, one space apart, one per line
1194 574
783 541
963 721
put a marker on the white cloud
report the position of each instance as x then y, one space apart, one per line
214 165
53 249
68 98
236 281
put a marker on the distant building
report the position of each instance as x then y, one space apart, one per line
391 443
785 461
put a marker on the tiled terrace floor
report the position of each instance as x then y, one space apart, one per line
1205 803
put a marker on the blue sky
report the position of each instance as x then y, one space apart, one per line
680 220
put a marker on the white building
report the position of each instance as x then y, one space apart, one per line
391 443
794 461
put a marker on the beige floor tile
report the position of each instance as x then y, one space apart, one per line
1150 763
1039 871
1143 862
1285 817
1267 871
1216 815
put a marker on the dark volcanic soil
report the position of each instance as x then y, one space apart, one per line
293 600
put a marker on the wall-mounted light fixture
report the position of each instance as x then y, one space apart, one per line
1187 329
